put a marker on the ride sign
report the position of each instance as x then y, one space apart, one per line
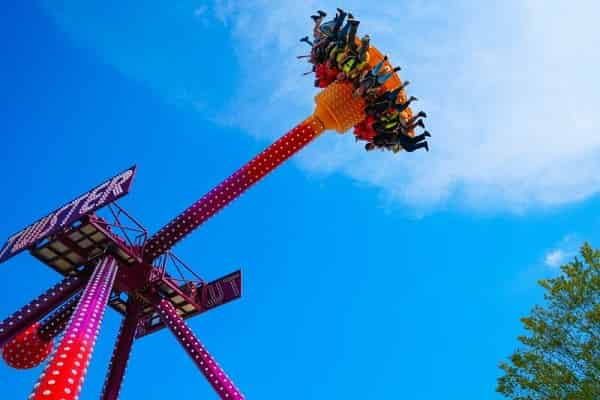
210 295
101 195
221 291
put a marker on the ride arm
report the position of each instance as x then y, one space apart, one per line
232 187
337 108
40 307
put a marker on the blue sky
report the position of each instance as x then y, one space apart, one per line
366 276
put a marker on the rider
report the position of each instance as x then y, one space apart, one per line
374 91
325 34
354 59
411 144
389 121
388 100
318 19
413 122
306 40
403 106
344 42
370 80
397 140
364 129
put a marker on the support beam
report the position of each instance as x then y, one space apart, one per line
39 308
120 356
57 322
64 375
203 360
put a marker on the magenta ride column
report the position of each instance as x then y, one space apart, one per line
217 378
63 377
120 356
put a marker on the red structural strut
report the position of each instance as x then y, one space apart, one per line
203 360
120 356
232 187
64 375
39 307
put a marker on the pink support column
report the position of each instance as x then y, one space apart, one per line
204 361
120 356
63 377
38 308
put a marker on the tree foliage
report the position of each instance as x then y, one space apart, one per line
560 356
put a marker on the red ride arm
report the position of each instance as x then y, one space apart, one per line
232 187
336 108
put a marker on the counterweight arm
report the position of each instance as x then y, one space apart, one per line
39 307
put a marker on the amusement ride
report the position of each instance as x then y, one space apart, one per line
110 260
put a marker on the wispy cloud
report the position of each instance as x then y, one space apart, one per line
562 252
546 265
555 258
511 88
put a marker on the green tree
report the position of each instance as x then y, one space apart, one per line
560 356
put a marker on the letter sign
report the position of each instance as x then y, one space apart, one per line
101 195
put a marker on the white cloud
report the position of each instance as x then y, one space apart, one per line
555 258
562 253
511 89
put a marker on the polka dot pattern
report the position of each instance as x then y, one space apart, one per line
57 322
64 374
38 308
337 107
233 187
217 378
27 349
30 348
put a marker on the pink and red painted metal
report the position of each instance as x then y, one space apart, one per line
27 349
137 267
103 248
232 187
31 347
215 375
120 356
77 243
64 375
208 296
39 307
142 275
56 323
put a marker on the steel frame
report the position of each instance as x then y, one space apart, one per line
116 250
122 350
